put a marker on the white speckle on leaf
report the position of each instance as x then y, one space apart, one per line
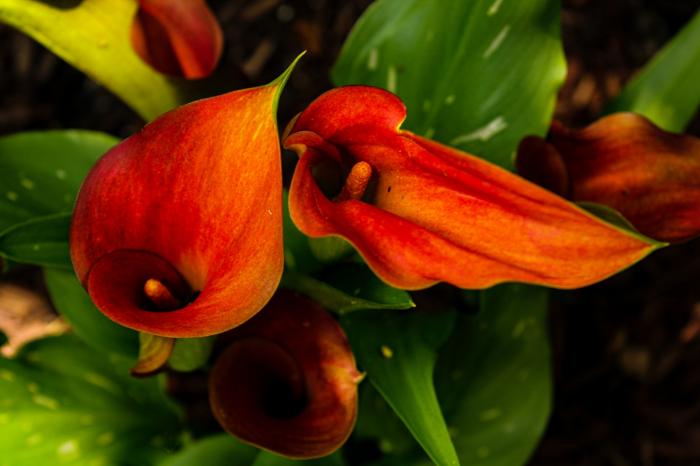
484 133
429 133
34 439
68 448
45 401
387 352
519 329
483 452
509 427
490 414
385 445
12 196
61 174
493 9
373 59
391 79
7 376
33 387
26 183
496 42
105 439
450 99
101 381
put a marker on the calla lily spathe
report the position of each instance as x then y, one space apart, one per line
177 37
420 212
286 380
177 231
624 161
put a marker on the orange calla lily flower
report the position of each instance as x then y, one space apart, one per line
177 37
651 176
287 380
177 231
420 212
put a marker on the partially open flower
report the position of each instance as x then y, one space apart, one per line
420 212
177 231
177 37
287 380
651 176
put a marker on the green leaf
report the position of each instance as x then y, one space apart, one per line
479 75
40 241
398 350
41 172
94 36
330 249
62 403
190 354
348 287
666 90
493 377
270 459
297 251
217 450
74 304
376 420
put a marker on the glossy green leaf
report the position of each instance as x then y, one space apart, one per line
76 307
347 288
40 241
190 354
398 350
479 75
297 251
63 403
270 459
41 171
377 421
494 379
666 90
94 36
218 450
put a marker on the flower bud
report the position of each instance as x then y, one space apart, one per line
287 380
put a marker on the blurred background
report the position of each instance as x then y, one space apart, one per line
625 352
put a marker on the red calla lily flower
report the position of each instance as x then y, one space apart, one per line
177 37
287 380
650 176
177 231
420 212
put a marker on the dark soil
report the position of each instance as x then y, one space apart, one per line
626 351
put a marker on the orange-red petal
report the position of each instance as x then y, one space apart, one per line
651 176
194 202
437 214
177 37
